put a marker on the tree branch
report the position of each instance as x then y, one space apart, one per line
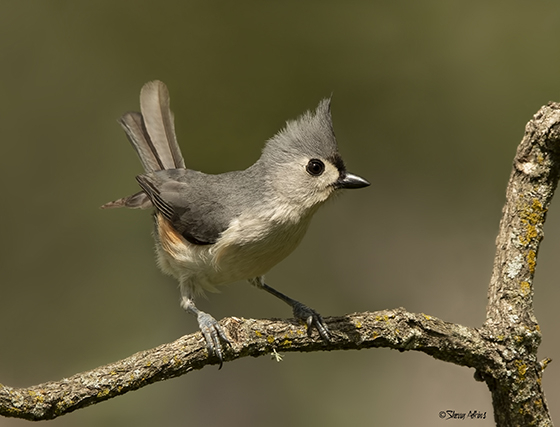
503 351
395 329
517 392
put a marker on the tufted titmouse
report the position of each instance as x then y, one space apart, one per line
216 229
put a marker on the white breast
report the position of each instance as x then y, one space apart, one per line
249 248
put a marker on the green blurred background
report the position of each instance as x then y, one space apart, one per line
430 101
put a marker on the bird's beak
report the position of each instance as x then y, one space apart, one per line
348 180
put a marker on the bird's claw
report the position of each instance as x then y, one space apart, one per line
312 319
213 334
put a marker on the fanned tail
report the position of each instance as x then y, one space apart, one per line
152 134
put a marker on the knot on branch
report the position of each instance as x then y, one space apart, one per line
539 152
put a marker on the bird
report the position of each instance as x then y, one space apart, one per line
214 229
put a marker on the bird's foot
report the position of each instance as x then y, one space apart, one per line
312 319
213 334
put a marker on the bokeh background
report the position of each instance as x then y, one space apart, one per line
430 100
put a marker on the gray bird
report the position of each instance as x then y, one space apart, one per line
212 230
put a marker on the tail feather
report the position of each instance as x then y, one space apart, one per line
158 118
152 134
139 200
135 129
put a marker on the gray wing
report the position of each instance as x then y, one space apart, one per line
195 207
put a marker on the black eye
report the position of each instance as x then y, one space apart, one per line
315 167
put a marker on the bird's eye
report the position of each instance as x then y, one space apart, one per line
315 167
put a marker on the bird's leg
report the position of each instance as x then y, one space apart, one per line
211 330
301 311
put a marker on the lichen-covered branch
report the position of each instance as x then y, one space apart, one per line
517 392
534 178
395 329
503 351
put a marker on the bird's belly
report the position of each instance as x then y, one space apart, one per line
247 249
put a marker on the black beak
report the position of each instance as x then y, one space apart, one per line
348 180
